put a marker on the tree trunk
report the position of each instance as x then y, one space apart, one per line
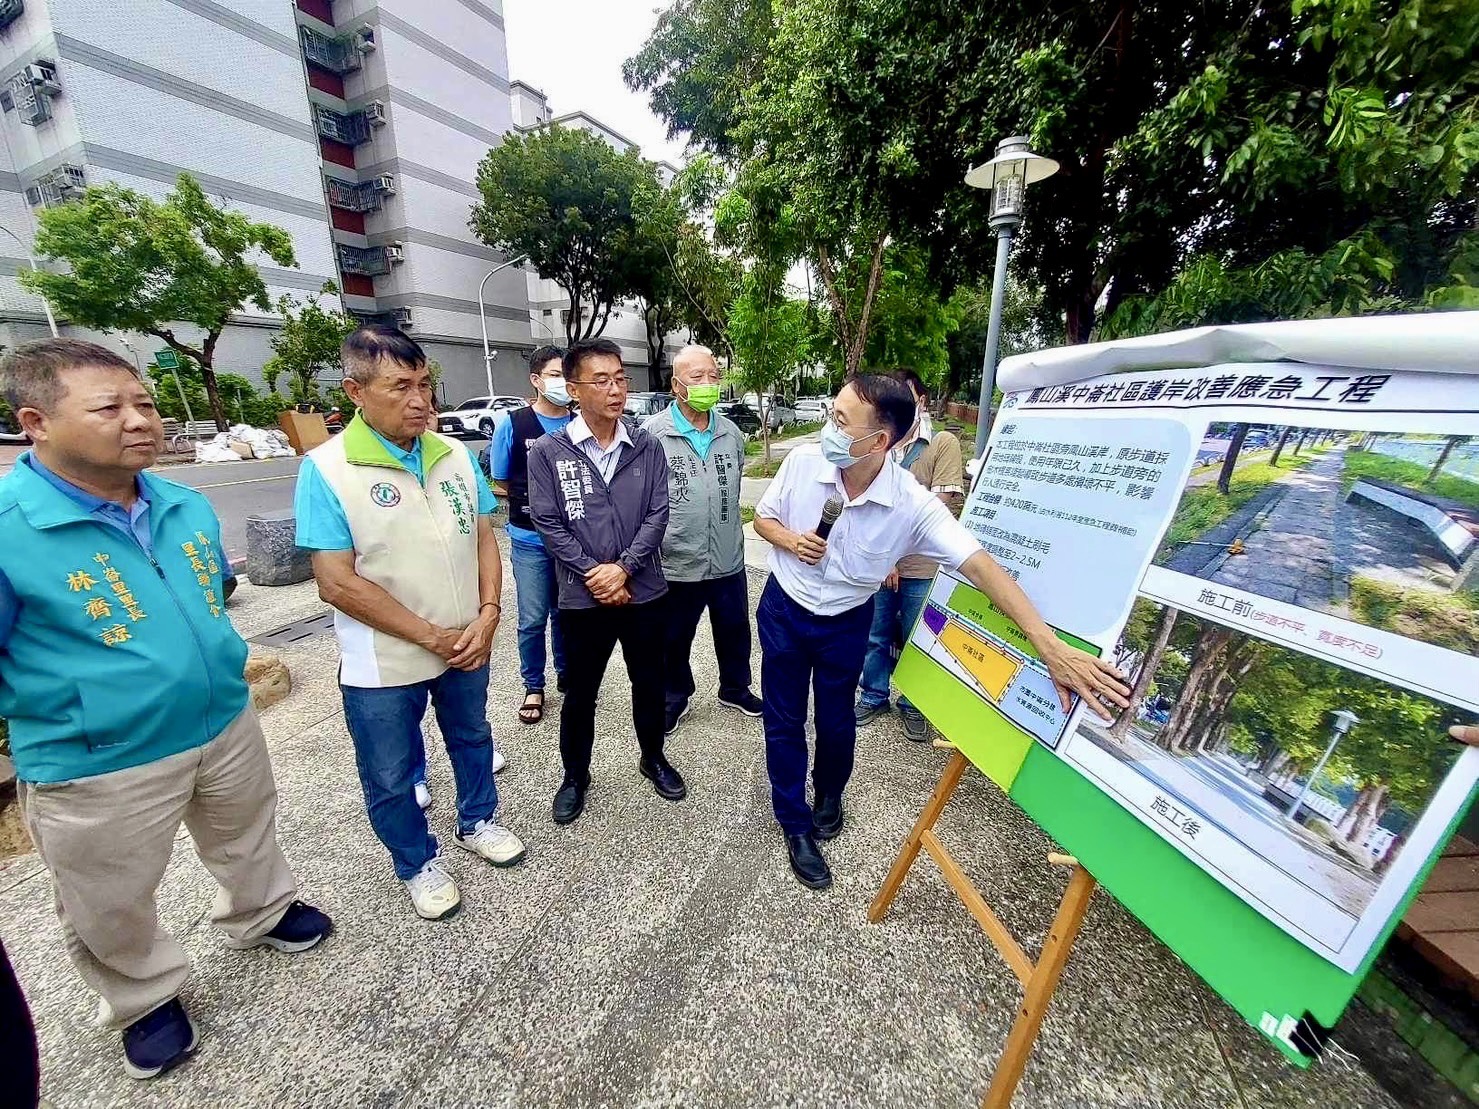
1453 441
1299 445
1284 438
1376 807
1206 656
1148 666
1230 463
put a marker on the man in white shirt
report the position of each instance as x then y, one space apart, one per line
816 609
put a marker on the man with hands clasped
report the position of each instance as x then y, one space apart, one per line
403 549
817 607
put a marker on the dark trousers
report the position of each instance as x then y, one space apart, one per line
18 1056
799 649
591 634
728 602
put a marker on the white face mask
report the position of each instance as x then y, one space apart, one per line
553 390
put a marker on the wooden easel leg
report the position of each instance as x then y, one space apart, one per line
910 851
1040 987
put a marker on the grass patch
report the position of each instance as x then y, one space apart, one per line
764 469
1397 471
753 447
1204 507
790 431
747 514
1443 619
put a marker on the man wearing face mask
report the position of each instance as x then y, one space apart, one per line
703 549
817 607
534 569
934 460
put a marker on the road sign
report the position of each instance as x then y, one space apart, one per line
166 359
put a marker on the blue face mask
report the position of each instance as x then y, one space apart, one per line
837 447
553 390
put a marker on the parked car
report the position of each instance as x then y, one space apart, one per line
812 410
476 416
741 414
642 405
778 413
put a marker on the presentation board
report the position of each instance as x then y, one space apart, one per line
1284 556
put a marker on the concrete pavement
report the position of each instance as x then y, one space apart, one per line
652 954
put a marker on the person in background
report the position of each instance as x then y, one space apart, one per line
934 459
534 569
121 679
397 518
817 607
598 494
703 550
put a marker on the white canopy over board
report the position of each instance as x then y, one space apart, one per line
1440 342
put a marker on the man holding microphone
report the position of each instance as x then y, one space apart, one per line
816 609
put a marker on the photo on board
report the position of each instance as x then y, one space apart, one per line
1380 528
1319 771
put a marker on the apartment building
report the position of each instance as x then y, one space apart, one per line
93 91
355 125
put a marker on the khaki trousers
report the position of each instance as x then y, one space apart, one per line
107 839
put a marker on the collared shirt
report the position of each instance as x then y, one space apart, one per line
895 516
604 459
700 441
133 521
321 523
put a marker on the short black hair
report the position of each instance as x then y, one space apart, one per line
583 349
31 374
911 380
543 355
890 399
367 346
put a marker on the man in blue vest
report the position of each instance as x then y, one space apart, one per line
534 569
121 677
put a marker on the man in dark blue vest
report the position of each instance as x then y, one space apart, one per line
534 569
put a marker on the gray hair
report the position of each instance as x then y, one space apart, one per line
692 350
31 374
368 347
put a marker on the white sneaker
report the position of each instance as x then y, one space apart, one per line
496 844
433 893
498 760
423 795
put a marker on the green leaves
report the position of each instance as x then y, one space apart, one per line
307 346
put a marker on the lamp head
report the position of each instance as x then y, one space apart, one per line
1345 720
1007 175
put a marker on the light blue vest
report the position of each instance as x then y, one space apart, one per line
117 658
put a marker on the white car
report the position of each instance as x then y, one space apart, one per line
476 416
812 410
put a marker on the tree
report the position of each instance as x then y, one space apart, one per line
1444 455
307 345
1145 675
769 331
911 324
1230 461
572 205
141 265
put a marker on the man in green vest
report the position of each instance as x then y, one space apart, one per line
121 677
397 518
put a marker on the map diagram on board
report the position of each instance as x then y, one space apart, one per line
1003 675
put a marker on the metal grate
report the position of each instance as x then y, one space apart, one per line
298 630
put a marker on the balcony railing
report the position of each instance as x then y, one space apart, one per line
372 262
364 197
351 129
338 55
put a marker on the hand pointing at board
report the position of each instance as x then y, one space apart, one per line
1465 733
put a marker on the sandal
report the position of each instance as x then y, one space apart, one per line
532 712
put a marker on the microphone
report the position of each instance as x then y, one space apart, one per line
830 511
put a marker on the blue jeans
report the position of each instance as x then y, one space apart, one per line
385 725
534 580
894 613
799 649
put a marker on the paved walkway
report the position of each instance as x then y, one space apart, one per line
652 954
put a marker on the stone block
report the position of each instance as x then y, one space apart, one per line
273 555
269 680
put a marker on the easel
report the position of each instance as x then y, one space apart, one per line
1039 979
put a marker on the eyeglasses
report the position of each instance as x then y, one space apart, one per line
605 384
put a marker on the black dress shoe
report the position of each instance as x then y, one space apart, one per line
807 863
826 817
667 781
569 802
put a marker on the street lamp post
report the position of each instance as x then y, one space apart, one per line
30 257
1345 719
1007 176
488 352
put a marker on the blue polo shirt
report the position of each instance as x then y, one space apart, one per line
500 458
700 441
131 521
321 523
